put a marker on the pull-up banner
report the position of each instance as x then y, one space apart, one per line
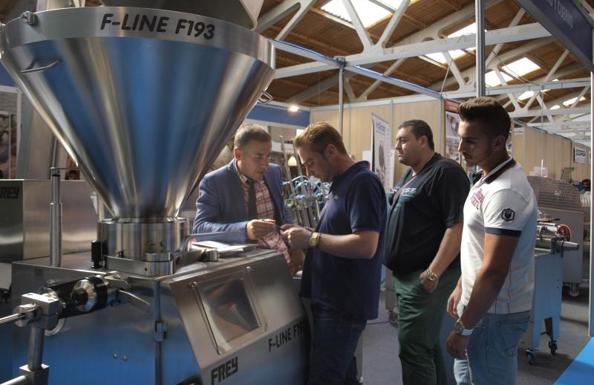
566 21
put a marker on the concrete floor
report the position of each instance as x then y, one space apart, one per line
381 365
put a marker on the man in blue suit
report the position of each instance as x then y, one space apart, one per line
244 198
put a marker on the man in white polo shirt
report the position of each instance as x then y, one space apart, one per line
493 298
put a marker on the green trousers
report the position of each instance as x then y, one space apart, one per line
420 316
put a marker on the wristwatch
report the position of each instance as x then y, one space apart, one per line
314 239
432 276
461 330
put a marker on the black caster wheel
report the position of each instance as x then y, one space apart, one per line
531 357
553 347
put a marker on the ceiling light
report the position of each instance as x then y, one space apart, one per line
492 80
521 67
555 107
293 108
292 162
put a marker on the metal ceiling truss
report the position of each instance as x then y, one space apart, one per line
426 41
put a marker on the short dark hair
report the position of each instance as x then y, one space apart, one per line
249 132
420 128
318 136
494 119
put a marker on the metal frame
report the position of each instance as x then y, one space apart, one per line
432 40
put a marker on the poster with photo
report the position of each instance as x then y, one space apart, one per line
580 155
452 121
382 140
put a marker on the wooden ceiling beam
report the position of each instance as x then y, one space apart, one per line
450 5
311 43
415 22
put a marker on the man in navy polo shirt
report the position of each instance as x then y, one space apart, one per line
342 268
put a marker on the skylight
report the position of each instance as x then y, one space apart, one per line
526 95
457 53
569 102
521 67
369 12
492 80
468 30
394 4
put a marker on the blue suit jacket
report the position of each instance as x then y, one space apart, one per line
220 206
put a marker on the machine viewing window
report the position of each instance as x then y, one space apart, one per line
229 309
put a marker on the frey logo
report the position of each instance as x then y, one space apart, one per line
224 371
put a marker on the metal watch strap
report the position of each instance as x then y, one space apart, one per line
461 330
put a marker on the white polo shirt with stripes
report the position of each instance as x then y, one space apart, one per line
501 202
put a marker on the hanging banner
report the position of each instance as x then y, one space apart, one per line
382 144
566 21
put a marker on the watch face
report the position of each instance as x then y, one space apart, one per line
459 329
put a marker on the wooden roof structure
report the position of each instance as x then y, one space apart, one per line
399 46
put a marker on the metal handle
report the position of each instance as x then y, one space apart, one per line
42 68
11 318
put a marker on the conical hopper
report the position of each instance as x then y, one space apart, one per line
142 99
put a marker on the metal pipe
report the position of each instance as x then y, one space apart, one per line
20 380
10 175
55 219
591 213
286 162
313 55
480 47
299 170
341 97
158 332
35 354
11 318
392 80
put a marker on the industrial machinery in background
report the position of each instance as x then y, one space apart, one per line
560 201
553 242
144 99
304 195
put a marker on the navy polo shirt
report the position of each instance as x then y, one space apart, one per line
347 286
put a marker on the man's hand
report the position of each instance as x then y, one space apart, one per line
297 237
453 302
457 345
428 284
258 228
296 259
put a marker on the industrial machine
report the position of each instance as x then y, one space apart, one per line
561 201
552 243
305 196
144 99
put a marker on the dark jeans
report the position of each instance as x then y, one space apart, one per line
334 341
420 316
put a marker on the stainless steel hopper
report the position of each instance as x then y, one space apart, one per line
143 100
